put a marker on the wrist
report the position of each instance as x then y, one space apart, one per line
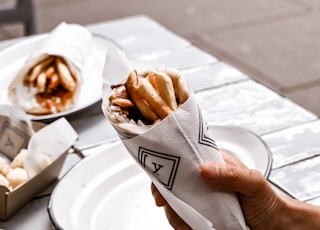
300 215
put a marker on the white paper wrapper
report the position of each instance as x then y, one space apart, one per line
171 153
48 144
72 42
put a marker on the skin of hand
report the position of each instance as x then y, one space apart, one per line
262 207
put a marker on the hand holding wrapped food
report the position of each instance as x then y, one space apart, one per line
161 125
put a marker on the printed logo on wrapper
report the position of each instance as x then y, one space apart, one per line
204 135
163 166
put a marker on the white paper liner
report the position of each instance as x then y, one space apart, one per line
171 153
48 144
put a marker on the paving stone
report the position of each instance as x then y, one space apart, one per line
284 53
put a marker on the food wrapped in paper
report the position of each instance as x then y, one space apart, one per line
50 80
169 140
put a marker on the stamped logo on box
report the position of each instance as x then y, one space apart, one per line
12 139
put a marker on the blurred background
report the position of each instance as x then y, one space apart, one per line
276 42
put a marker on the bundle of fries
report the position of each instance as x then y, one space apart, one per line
148 97
50 75
51 82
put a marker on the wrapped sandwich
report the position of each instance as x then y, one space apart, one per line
50 80
162 127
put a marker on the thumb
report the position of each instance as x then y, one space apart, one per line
231 178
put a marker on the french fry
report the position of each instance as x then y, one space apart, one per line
152 79
164 87
41 82
149 94
180 84
54 81
50 71
37 69
132 87
67 81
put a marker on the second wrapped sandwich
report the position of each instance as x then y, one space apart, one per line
51 78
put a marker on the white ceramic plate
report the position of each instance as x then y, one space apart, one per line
13 58
108 190
244 145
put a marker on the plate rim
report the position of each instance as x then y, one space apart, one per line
268 168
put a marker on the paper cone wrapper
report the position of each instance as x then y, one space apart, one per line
171 153
70 41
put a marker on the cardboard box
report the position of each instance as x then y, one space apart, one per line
13 201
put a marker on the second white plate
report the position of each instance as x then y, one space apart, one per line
108 190
14 57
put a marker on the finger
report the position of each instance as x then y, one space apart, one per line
160 201
175 221
227 177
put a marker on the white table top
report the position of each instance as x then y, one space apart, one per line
225 95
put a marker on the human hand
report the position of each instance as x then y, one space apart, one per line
262 207
260 204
